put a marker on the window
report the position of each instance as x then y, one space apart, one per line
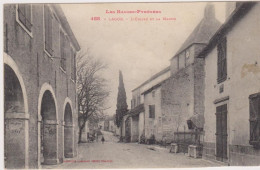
138 100
73 67
178 60
62 51
254 118
187 56
222 60
151 111
153 93
24 15
48 29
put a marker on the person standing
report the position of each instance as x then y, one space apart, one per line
103 139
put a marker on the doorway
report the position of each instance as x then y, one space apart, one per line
221 133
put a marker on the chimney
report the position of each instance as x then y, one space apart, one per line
209 12
230 7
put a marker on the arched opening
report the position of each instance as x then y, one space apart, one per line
68 132
49 127
16 121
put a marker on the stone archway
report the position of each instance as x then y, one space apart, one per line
48 127
68 131
15 117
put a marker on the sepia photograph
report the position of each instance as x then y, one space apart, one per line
122 85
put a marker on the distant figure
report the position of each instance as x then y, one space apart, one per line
102 139
96 137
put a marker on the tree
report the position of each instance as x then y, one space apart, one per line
91 89
121 103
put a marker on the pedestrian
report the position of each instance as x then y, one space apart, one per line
103 139
96 137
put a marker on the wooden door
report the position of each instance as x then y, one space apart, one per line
221 132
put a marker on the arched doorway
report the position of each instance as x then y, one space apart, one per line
48 130
16 119
68 132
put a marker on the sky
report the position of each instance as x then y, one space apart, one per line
137 47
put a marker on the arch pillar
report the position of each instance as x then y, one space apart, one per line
47 127
68 141
68 129
16 117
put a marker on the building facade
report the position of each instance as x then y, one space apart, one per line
40 103
232 89
136 122
183 93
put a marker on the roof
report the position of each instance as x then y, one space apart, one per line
153 77
203 31
66 25
235 16
154 87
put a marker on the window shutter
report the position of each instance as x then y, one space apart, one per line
46 27
21 13
48 30
28 17
254 104
222 61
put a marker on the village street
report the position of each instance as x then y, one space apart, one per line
112 154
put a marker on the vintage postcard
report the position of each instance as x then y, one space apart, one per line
131 85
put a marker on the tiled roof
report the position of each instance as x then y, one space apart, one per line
154 77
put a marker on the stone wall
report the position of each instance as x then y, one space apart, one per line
177 101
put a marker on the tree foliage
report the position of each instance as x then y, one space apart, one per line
91 89
121 101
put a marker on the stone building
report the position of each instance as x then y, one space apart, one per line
152 107
182 94
40 103
232 88
135 123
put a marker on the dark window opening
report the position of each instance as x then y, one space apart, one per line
254 119
151 111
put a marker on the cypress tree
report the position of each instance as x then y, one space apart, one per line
121 102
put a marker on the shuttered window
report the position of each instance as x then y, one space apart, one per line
48 29
24 15
254 118
63 50
222 60
73 71
151 111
